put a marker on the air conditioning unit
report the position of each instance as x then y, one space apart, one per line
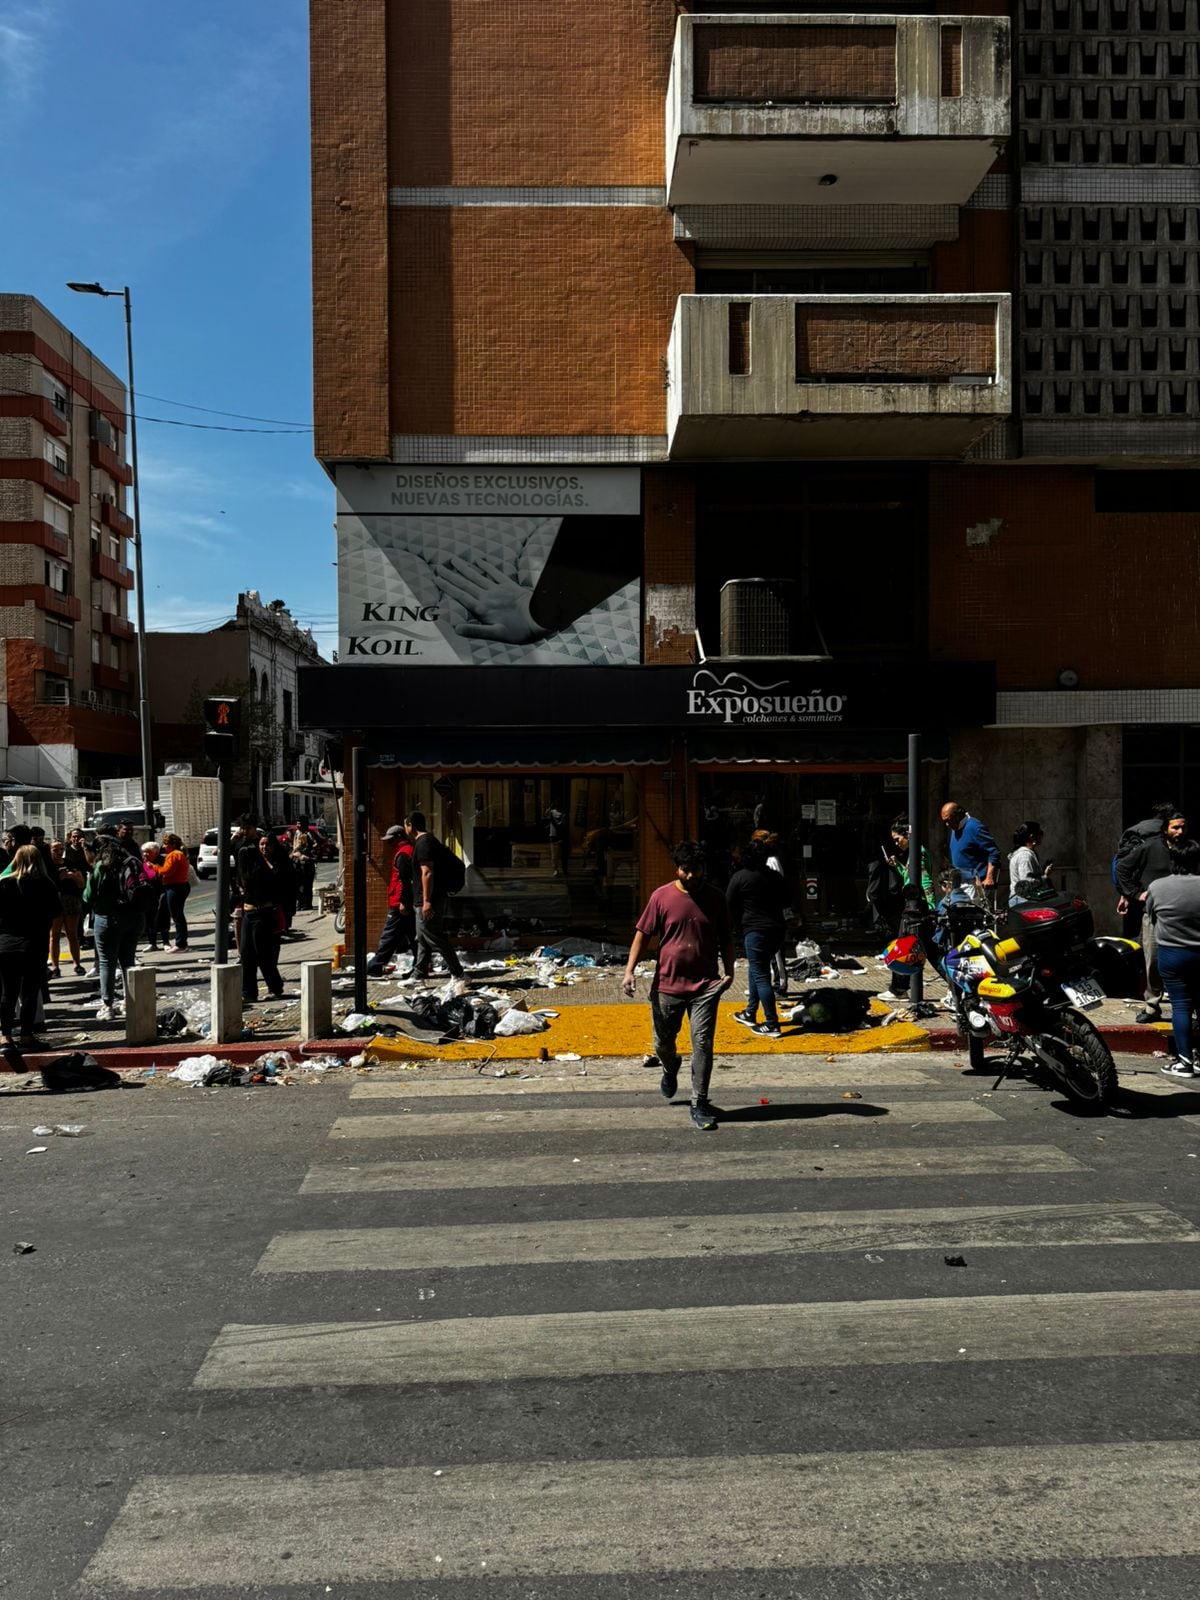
89 697
769 617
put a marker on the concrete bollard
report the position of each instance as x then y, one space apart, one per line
141 1005
316 999
226 1002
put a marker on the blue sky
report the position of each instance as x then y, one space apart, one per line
166 146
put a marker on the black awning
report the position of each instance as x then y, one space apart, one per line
522 752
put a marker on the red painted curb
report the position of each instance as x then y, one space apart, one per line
1128 1040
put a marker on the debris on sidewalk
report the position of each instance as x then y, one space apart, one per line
23 1248
64 1130
193 1069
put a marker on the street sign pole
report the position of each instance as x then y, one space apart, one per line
223 720
916 992
221 952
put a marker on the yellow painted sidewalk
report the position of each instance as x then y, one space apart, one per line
624 1030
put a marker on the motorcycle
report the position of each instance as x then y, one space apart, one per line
1026 986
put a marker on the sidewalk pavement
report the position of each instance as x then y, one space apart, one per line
594 1017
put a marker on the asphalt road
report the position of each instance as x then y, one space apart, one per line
406 1335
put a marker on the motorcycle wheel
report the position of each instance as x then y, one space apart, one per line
1085 1062
975 1053
339 920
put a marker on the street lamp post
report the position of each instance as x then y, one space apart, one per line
143 675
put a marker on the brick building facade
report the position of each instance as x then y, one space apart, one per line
896 311
67 664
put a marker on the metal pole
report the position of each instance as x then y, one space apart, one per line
221 952
359 781
143 674
916 992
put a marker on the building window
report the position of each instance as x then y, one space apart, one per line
58 576
56 454
95 649
60 637
114 547
1160 763
287 709
57 514
97 537
56 393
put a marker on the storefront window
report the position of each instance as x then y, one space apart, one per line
543 851
1161 764
830 827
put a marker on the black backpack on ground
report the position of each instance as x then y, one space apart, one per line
78 1073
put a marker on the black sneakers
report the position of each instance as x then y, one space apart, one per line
746 1020
669 1082
704 1116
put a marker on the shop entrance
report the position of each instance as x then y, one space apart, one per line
830 826
544 852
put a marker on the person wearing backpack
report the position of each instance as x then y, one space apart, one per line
437 873
114 893
1136 870
1129 844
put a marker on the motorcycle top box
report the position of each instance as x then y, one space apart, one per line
1056 923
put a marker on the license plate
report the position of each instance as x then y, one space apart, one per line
1083 993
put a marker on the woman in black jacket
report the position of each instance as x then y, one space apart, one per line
29 904
756 897
268 887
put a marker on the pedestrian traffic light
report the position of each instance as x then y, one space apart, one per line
223 719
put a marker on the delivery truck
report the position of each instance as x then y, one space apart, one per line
186 806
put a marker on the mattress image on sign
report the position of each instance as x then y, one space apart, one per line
490 590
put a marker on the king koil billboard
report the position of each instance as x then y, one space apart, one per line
478 566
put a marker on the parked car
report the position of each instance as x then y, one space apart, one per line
110 820
206 856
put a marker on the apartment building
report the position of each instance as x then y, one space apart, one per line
792 377
67 657
256 656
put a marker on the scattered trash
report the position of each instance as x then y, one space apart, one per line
38 1150
23 1248
276 1061
568 1055
876 1259
851 1094
224 1075
955 1261
516 1022
355 1022
170 1024
65 1130
42 1131
764 1102
194 1068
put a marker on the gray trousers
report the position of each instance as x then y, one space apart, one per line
667 1012
432 936
1154 984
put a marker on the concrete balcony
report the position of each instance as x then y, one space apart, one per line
835 110
919 376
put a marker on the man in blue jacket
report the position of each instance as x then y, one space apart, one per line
972 849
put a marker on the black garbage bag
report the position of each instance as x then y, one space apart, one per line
78 1074
426 1009
830 1010
225 1075
170 1024
466 1021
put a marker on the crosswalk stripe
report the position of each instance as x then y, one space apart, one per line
885 1076
1028 1327
676 1514
708 1165
733 1234
600 1119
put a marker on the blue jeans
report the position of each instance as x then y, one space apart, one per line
761 948
116 946
170 909
1179 968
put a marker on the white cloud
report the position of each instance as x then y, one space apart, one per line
183 613
23 33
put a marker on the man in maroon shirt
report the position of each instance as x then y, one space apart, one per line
690 920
